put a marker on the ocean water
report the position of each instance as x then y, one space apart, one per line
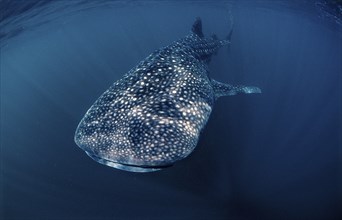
277 155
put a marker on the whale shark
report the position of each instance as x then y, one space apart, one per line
153 116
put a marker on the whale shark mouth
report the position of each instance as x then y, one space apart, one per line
126 167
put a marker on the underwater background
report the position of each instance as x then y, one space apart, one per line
277 155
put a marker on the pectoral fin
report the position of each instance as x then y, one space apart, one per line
223 89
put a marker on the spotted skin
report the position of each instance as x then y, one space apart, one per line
153 116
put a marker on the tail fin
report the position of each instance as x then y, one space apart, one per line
229 37
231 21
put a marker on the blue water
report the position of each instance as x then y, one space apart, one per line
277 155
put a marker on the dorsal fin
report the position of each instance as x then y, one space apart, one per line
197 27
214 36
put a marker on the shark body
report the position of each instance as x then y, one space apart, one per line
153 116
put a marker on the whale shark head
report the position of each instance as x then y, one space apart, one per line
153 116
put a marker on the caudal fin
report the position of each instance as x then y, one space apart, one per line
229 37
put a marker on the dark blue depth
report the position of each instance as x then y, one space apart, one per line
277 155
